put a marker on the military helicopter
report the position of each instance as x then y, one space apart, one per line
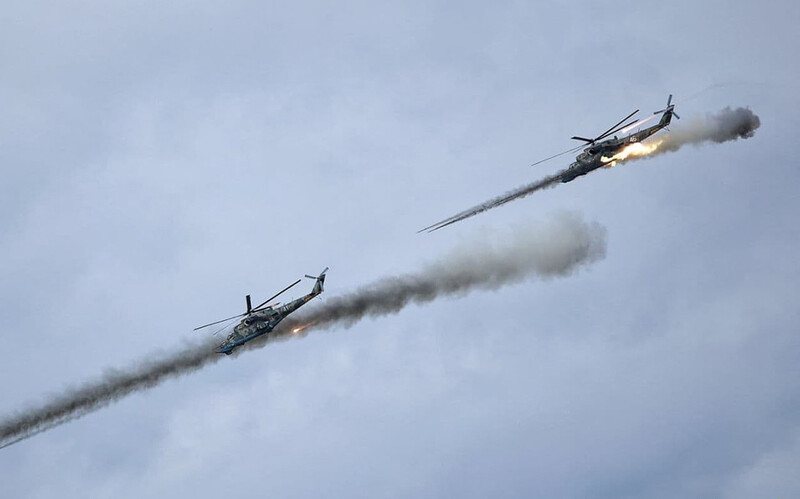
599 153
602 151
264 318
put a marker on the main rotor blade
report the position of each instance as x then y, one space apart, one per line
637 123
277 295
220 329
559 154
575 137
623 120
615 130
220 321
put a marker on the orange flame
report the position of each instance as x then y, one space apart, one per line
635 149
299 329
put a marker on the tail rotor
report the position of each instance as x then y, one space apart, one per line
318 286
669 109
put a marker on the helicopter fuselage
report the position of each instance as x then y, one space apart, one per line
592 157
263 321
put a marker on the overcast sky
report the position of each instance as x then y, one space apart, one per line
162 160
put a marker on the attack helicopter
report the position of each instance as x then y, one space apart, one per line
601 152
264 318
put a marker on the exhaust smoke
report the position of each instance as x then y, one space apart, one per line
555 249
723 126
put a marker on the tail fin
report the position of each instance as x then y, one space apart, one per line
318 286
668 111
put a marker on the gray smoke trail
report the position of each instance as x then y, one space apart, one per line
553 250
114 385
726 125
519 192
